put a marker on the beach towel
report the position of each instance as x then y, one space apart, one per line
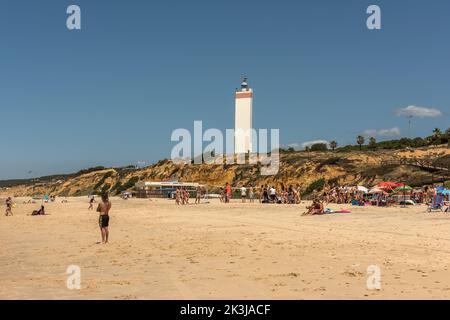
330 211
437 204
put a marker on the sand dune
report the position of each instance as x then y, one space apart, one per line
216 251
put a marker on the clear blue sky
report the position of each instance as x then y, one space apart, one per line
112 93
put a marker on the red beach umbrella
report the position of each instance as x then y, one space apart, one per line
389 184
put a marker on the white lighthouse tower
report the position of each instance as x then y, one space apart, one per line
243 119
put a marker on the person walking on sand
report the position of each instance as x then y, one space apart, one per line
103 209
186 196
8 203
91 203
177 196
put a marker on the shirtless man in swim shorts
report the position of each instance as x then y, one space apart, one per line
198 194
103 221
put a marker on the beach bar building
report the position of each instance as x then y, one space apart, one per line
162 189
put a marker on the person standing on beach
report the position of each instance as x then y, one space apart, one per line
177 196
8 203
265 194
251 194
273 194
228 192
243 194
186 196
103 209
198 194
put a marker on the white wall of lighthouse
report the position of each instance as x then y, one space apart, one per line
243 140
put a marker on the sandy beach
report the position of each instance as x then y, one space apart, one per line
158 250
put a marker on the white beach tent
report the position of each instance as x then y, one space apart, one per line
363 189
375 190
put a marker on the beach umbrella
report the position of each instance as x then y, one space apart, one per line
389 184
402 188
363 189
443 191
440 189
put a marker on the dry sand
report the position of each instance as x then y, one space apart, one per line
216 251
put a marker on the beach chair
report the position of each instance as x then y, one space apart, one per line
437 204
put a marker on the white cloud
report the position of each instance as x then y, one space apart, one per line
389 132
370 132
382 132
294 145
420 112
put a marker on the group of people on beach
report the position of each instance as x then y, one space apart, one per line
10 205
182 196
265 194
352 195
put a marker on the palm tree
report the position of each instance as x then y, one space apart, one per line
372 143
360 141
333 145
437 133
447 134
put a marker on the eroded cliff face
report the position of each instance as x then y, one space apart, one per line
304 168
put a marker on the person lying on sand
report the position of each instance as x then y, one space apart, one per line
103 221
40 212
315 208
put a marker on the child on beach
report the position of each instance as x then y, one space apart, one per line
8 207
103 209
91 203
